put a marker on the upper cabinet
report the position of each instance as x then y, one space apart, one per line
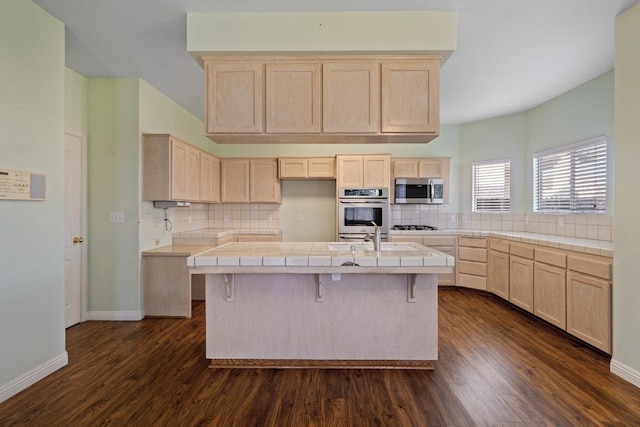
250 181
322 98
307 168
293 98
176 170
235 96
410 100
368 171
351 97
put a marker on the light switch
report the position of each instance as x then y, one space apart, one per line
116 216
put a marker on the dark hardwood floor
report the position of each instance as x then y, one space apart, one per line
498 366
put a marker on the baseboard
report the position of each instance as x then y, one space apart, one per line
625 372
33 376
115 315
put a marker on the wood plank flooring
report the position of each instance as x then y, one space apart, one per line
497 366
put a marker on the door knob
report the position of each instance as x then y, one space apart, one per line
78 240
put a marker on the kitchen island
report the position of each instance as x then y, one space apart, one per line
321 304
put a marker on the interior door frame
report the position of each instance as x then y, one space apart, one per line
84 292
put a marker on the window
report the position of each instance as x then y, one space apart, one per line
492 186
572 178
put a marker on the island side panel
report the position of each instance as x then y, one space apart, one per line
361 317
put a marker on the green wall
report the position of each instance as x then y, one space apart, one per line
32 232
579 114
626 269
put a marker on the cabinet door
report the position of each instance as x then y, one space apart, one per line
234 180
589 310
430 168
350 96
521 282
322 167
193 173
376 171
498 282
292 168
235 95
209 178
293 98
179 166
350 169
410 96
405 168
550 297
265 185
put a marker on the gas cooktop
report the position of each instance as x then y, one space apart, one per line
414 227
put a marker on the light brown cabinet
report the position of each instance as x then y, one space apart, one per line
175 170
368 171
234 97
307 168
498 268
293 97
209 178
550 286
589 300
322 98
427 167
521 282
351 97
410 101
249 180
472 262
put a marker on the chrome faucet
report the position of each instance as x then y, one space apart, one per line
375 237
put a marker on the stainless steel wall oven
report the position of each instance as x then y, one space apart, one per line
357 208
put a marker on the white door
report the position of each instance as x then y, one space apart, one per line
74 239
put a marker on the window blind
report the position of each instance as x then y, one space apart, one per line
492 186
571 178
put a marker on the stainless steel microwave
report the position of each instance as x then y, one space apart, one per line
419 191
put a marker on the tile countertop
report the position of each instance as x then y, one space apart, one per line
177 250
576 244
403 257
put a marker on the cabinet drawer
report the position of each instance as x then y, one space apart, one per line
475 282
472 254
499 245
521 250
439 240
414 239
593 266
551 257
475 268
473 242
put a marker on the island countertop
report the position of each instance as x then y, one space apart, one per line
321 257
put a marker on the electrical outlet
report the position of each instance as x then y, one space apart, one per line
335 277
226 218
158 222
453 218
269 218
189 219
300 218
560 221
116 216
465 218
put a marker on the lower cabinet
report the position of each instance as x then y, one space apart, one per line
521 282
498 274
589 309
472 262
550 294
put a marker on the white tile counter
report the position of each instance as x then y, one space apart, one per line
310 257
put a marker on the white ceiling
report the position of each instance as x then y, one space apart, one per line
511 55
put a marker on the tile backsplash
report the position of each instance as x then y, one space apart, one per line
265 216
227 215
586 226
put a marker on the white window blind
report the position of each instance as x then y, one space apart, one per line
571 178
492 186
